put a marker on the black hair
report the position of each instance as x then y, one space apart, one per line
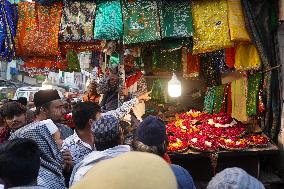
82 112
10 109
19 162
45 106
23 101
101 146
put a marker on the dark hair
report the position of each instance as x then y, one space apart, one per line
19 162
101 146
82 112
10 109
45 106
23 101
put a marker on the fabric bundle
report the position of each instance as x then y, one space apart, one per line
37 30
239 98
140 20
230 57
77 21
238 31
175 18
247 57
191 66
210 24
108 22
8 25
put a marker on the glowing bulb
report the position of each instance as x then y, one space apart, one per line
174 86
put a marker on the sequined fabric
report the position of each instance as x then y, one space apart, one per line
210 70
210 25
166 60
219 96
254 82
140 19
108 22
73 62
247 57
191 65
238 31
230 57
209 100
37 30
175 18
77 22
239 97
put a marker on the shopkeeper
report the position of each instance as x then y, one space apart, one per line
91 94
135 85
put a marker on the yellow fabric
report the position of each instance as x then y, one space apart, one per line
210 23
236 18
247 57
239 97
137 170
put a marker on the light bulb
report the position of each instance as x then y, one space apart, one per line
174 86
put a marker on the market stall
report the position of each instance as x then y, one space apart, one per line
206 55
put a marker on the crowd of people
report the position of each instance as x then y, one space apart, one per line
109 145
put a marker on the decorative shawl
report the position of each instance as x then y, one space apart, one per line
247 57
254 82
210 24
50 174
108 22
175 18
77 21
191 65
140 20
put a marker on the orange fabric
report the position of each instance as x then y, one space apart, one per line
193 65
38 28
51 63
81 46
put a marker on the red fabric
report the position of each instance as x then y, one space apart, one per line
193 64
133 78
229 101
167 158
230 57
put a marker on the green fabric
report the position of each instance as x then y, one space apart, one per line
175 18
157 94
254 82
73 62
170 43
140 20
209 100
114 60
219 96
108 22
166 60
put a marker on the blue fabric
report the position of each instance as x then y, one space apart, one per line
8 26
184 179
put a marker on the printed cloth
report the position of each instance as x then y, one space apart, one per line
175 18
108 22
37 29
210 24
140 19
50 173
77 21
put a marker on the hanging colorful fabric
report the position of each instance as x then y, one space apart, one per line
47 2
209 100
247 57
108 22
166 60
73 62
239 97
210 25
230 57
37 31
8 25
254 82
140 20
238 31
229 100
97 58
191 66
210 69
175 18
219 96
77 22
157 93
219 59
